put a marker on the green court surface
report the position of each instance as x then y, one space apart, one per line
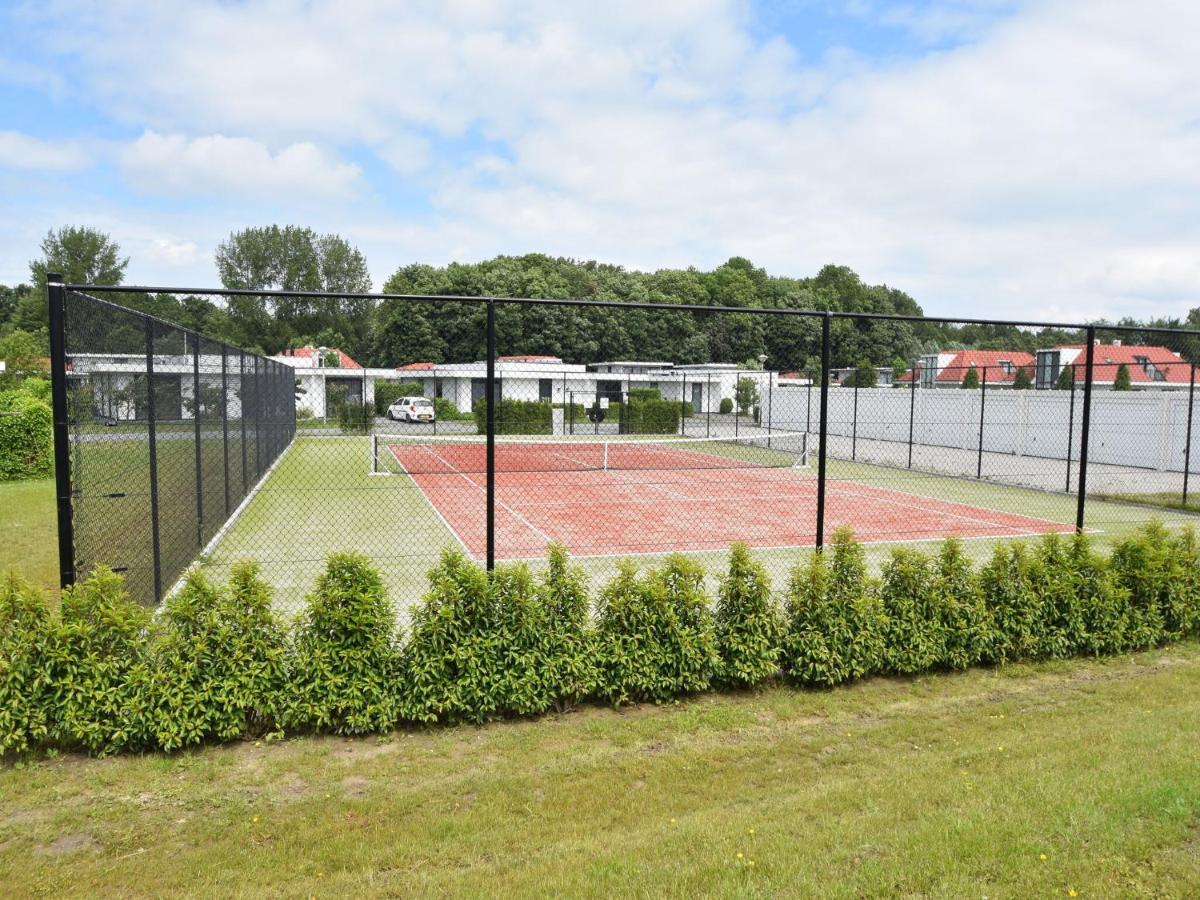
321 498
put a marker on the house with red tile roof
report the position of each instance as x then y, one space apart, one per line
1150 367
302 357
996 368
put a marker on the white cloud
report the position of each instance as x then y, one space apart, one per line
174 164
1047 166
19 151
172 252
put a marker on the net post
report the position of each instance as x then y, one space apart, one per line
491 435
912 408
770 410
1187 443
1070 429
982 405
62 435
824 421
196 437
152 422
225 421
1085 426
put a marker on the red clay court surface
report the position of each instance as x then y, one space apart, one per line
678 500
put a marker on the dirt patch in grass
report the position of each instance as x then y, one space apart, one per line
290 787
355 786
69 844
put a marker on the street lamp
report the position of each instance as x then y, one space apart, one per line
762 360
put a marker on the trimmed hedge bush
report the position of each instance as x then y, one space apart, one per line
343 661
654 635
388 392
105 675
26 432
102 668
726 406
218 661
515 417
27 699
747 623
650 417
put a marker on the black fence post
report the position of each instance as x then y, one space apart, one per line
1187 443
912 409
491 435
854 426
225 421
824 414
196 439
1085 426
62 434
242 416
1071 429
982 405
770 409
683 404
808 410
152 420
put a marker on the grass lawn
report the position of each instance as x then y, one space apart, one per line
1028 781
29 532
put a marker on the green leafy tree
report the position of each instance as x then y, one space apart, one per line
1066 378
23 356
83 256
746 395
1022 381
865 376
1122 380
971 379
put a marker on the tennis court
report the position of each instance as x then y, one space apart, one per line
630 497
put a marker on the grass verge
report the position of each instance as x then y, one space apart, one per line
29 532
1024 781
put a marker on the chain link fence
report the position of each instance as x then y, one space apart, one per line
478 438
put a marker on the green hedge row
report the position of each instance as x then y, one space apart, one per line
388 392
515 417
105 675
26 432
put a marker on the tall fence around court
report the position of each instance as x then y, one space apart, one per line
173 447
162 434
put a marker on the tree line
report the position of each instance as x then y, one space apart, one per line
393 332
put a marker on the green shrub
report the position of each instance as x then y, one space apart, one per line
1146 564
515 417
354 418
102 668
834 620
1103 602
1063 629
26 678
218 660
1011 581
27 689
388 392
342 659
37 388
644 393
913 625
563 591
747 623
654 637
650 417
444 408
966 620
484 646
726 405
26 433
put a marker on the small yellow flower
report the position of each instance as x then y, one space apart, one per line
752 831
739 856
255 819
1001 748
750 862
1072 893
672 821
1042 857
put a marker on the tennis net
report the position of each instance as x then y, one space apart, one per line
399 454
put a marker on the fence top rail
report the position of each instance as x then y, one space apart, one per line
80 292
614 304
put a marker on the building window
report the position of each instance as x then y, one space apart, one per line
437 388
1007 366
545 390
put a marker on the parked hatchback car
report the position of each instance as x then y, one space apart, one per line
411 409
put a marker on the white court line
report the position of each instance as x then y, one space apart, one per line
516 515
432 505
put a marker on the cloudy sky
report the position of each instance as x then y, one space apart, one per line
987 156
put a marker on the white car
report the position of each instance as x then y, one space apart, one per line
411 409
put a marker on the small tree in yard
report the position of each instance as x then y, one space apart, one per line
747 395
971 379
865 376
1022 381
1066 378
1122 381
